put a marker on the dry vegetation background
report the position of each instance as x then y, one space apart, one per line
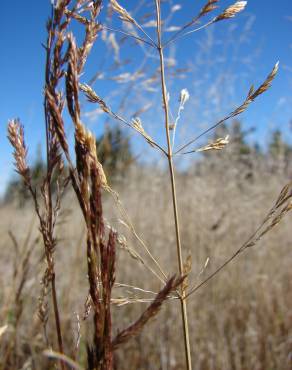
241 320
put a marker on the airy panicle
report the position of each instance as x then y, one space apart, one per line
251 96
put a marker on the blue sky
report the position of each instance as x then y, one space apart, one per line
22 30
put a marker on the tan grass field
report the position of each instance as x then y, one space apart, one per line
241 320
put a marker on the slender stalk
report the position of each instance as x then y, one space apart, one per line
49 202
183 300
129 35
140 240
241 249
180 35
179 32
145 33
57 320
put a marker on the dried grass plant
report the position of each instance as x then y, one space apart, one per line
65 63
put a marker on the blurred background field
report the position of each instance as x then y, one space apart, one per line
241 320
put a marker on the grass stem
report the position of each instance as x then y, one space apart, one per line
173 188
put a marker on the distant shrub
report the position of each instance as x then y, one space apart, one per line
114 152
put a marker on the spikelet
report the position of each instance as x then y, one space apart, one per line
253 94
184 96
93 97
231 11
218 144
208 7
16 138
88 139
77 17
267 83
137 125
282 206
285 194
124 15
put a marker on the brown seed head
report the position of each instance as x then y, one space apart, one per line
267 83
208 7
231 11
124 15
16 138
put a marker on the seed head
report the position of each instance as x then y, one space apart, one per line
16 138
218 144
184 96
231 11
124 15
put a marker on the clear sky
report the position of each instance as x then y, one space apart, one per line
269 23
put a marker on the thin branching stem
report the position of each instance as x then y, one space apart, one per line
130 35
173 187
241 249
209 129
179 35
146 34
140 240
151 141
180 31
